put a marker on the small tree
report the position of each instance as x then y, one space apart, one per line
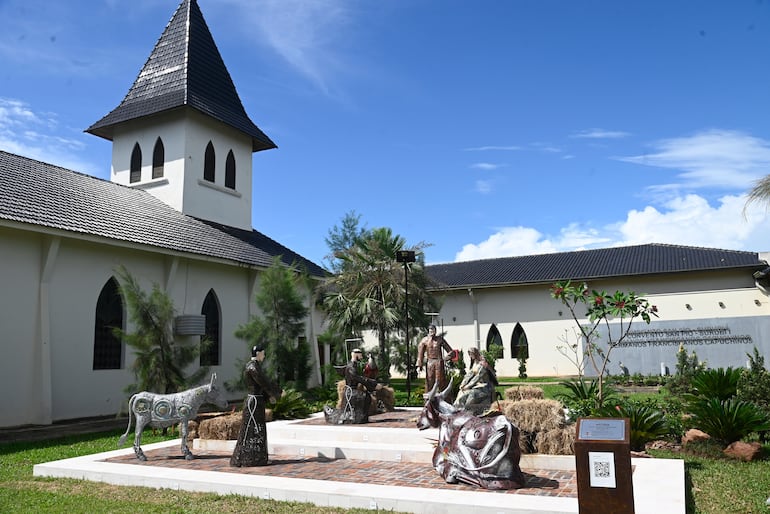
754 383
572 350
280 326
522 354
602 308
160 358
686 368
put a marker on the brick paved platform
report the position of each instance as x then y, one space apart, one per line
540 482
394 484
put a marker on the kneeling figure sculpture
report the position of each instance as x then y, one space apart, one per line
478 450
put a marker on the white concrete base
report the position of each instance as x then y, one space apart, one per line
658 483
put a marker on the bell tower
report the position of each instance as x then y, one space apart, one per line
181 132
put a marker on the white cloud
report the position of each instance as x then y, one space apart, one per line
690 220
714 158
486 166
483 186
305 33
511 148
600 134
33 134
685 220
513 241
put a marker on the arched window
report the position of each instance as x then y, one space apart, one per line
519 345
136 164
210 352
108 349
158 158
230 170
495 342
209 162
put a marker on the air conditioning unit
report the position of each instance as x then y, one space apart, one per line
190 325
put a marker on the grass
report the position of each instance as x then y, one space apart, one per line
20 492
716 485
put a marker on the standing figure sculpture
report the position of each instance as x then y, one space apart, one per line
251 447
477 389
430 352
355 401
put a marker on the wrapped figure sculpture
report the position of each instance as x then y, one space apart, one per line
478 450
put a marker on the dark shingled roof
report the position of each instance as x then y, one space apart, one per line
45 195
184 69
626 261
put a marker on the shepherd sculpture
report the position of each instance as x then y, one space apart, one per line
478 450
165 410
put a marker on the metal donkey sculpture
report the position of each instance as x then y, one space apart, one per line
164 410
478 450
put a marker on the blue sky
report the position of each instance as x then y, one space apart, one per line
485 129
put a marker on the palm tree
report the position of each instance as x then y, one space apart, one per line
368 291
759 193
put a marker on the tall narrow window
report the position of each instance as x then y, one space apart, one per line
495 342
109 316
230 170
519 344
209 161
136 164
158 158
210 350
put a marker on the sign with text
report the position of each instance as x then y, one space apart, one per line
603 466
595 429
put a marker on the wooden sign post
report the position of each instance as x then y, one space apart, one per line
603 466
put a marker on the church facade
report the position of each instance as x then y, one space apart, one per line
175 213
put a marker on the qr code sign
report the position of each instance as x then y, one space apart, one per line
601 469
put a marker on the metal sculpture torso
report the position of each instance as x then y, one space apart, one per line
481 451
164 410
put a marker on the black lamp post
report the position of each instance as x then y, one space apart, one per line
407 256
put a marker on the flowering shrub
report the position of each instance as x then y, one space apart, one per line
601 308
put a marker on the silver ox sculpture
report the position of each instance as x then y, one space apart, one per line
164 410
478 450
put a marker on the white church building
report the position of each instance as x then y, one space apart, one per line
176 212
713 302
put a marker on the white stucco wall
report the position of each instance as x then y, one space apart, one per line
467 318
64 385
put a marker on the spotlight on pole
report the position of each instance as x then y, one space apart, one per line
407 256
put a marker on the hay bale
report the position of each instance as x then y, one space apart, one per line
222 428
517 393
340 393
533 415
192 429
558 441
383 400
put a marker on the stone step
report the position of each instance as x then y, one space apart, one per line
421 453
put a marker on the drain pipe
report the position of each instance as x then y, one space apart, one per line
475 305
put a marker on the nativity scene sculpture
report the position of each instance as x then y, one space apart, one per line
164 410
477 450
477 389
251 448
355 396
